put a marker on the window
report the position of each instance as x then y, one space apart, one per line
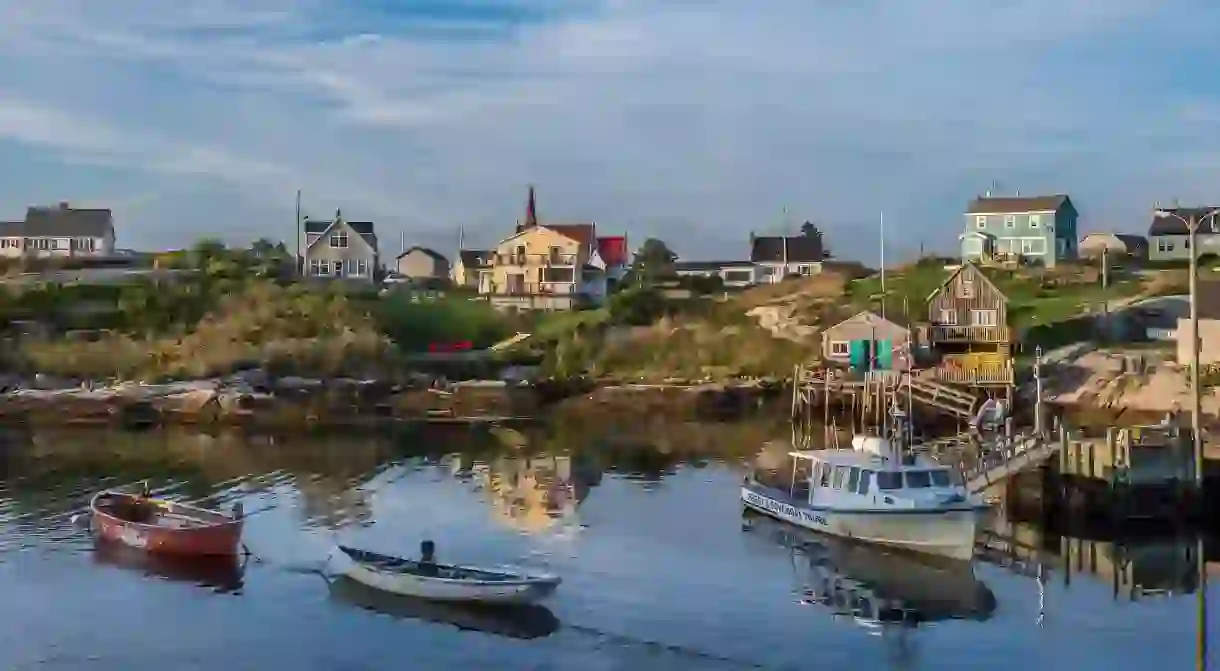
825 475
1164 245
982 317
324 267
918 479
838 348
805 270
1010 221
853 479
315 267
1033 246
338 240
362 267
837 480
941 478
865 477
980 221
965 288
1035 221
889 480
948 317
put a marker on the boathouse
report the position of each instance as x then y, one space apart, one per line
969 332
868 342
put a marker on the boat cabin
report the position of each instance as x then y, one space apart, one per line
872 475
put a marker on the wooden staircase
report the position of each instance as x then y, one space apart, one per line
942 397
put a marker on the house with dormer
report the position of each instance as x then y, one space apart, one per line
552 266
339 249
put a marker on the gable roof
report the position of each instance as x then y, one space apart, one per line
472 258
1014 204
430 252
1127 239
801 249
66 221
955 273
1175 226
613 250
870 315
364 229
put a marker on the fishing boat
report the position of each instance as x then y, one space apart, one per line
520 621
445 582
165 527
873 492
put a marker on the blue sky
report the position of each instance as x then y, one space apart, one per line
694 121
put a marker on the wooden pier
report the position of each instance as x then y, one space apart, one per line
870 395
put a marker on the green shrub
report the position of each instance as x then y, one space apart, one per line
414 325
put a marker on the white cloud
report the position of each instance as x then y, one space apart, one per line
693 121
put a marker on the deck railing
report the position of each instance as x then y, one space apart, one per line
996 334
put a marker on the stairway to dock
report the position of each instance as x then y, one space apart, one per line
942 397
1007 457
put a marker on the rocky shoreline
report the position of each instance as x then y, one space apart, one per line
259 401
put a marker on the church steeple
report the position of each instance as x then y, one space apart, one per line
531 210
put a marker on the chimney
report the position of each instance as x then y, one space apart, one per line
751 239
63 205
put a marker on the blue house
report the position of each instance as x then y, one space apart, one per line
1037 230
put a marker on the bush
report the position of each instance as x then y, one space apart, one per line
636 307
414 325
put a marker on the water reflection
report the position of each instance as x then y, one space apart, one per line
530 492
223 574
874 586
523 622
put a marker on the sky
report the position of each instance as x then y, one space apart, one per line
693 121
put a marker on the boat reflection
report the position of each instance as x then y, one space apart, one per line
875 586
522 622
223 574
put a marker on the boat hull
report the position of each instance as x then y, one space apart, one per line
524 591
947 532
217 535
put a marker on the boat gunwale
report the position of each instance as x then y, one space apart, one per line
227 523
784 497
515 580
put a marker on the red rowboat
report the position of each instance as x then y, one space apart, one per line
165 527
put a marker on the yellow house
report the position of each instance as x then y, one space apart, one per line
546 268
471 264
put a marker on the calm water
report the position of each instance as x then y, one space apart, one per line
661 569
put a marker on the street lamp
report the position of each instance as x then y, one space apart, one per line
1192 227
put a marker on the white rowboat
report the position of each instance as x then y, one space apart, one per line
445 582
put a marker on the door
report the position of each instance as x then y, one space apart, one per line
884 354
858 354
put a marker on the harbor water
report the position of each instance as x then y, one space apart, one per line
661 568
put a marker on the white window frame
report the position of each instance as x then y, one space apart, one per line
948 317
338 240
362 267
1035 220
983 318
839 348
1010 221
980 221
315 267
323 267
1033 246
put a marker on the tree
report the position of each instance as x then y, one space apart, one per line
654 260
810 230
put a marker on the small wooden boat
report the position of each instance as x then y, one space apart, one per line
165 527
520 621
445 582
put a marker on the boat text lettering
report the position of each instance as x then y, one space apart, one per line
784 509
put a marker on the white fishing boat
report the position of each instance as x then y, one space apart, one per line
876 494
445 582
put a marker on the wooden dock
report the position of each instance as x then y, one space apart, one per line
870 395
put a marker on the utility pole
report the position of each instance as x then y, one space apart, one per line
882 234
300 263
1038 419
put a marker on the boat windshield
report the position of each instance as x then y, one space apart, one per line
889 480
940 478
918 479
